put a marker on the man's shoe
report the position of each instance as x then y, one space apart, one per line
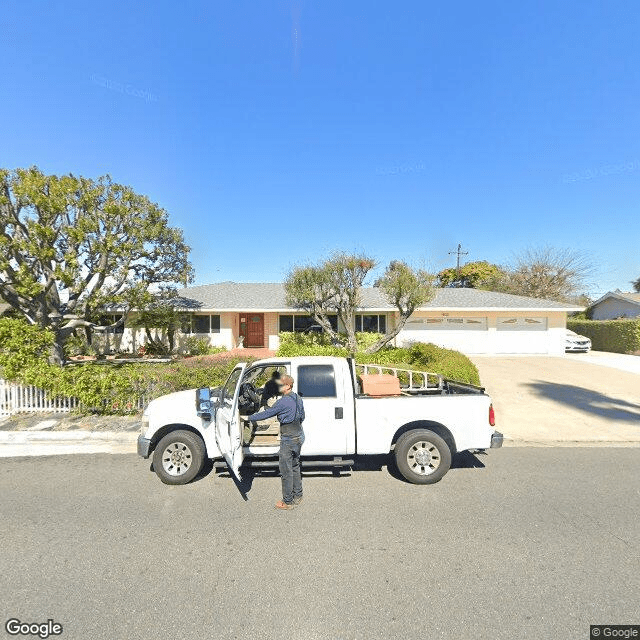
283 505
297 501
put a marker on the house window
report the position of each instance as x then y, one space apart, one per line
286 323
201 324
371 323
109 319
450 323
303 323
522 324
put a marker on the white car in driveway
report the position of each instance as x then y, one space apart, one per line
575 342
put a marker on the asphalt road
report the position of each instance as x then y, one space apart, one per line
539 543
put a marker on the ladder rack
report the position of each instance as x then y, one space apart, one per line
410 380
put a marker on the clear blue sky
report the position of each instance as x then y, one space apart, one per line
276 131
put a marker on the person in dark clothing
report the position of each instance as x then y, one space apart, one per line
271 389
290 411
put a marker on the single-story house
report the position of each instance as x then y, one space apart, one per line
470 320
616 304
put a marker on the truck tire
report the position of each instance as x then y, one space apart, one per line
422 456
178 457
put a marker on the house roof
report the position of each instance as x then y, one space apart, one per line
627 296
270 296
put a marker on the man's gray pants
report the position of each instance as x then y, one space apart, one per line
289 462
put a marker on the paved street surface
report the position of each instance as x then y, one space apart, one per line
542 399
538 543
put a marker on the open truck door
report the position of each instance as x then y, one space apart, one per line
228 430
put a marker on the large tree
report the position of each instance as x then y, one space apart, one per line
471 275
546 272
636 285
407 289
70 245
334 285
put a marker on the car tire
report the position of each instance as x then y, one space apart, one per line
178 457
422 456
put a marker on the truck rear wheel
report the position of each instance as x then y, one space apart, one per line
422 456
178 457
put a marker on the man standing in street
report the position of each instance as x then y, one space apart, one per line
290 411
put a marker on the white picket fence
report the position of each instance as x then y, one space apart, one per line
21 398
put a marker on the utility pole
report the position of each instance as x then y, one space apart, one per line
459 252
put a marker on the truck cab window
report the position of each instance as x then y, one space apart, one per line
230 386
317 381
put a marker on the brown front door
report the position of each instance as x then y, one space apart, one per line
253 329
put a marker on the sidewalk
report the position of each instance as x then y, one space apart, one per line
47 443
43 434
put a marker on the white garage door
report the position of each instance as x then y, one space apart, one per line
468 335
522 335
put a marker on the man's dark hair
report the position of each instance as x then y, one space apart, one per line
275 374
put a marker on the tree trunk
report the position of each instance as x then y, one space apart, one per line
56 355
388 337
349 325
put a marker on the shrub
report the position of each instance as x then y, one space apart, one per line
77 345
22 345
321 339
194 346
116 388
365 339
155 348
618 336
420 356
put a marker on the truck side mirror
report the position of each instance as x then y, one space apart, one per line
203 402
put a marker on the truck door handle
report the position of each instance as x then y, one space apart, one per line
339 413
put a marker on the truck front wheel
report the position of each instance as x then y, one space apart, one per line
178 457
422 456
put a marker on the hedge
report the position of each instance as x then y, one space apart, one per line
116 388
618 336
418 357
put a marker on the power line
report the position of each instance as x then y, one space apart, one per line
458 252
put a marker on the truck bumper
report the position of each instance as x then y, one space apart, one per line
496 439
144 445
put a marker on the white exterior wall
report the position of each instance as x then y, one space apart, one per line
271 331
478 333
132 339
612 308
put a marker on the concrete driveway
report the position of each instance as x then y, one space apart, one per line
606 359
562 400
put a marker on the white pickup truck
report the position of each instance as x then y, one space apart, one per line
422 422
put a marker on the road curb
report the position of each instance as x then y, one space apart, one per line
570 443
45 443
